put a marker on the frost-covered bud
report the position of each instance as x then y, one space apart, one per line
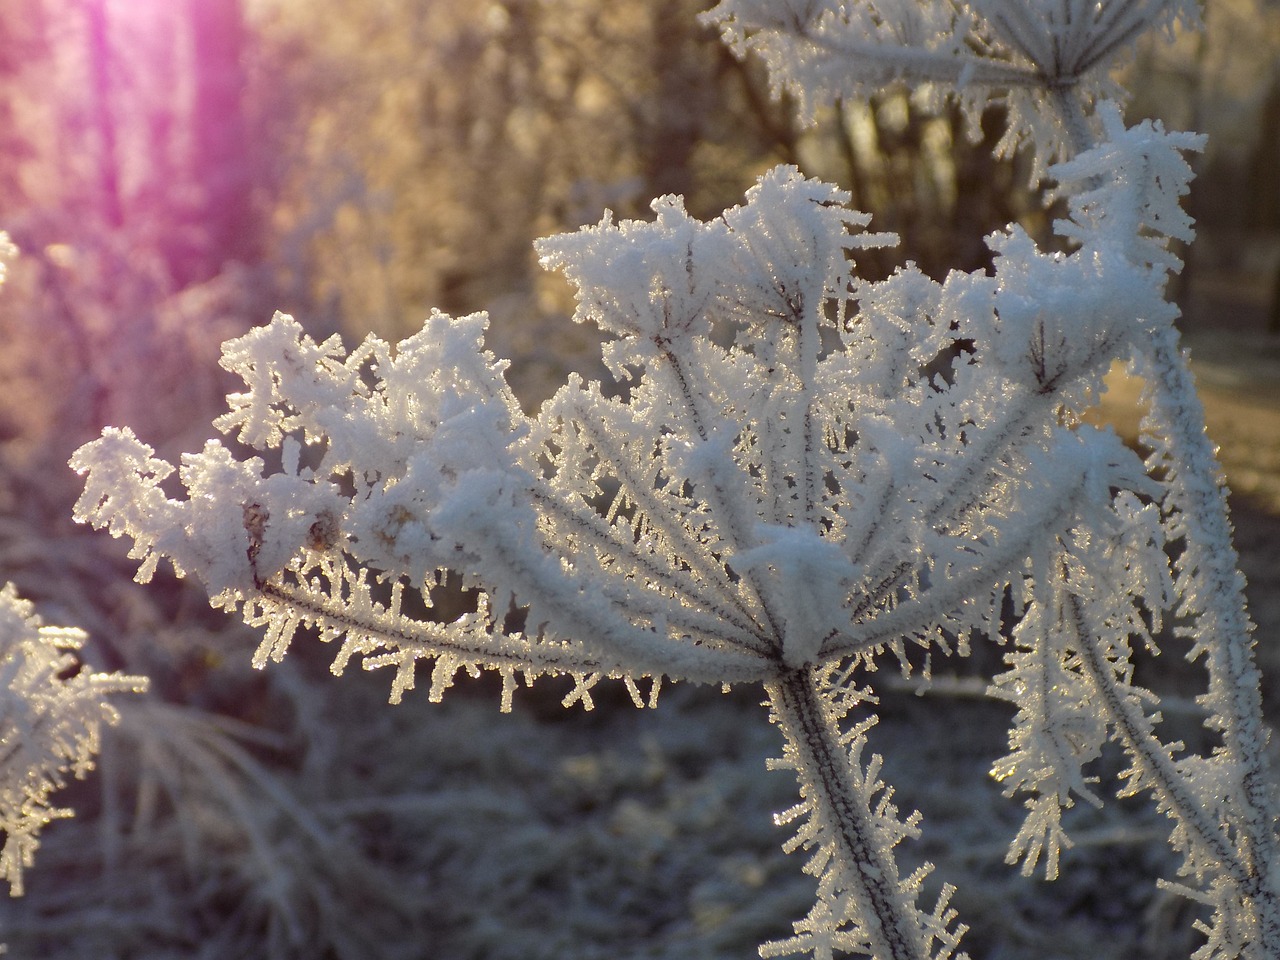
241 528
236 530
897 330
389 528
393 526
289 378
788 244
122 495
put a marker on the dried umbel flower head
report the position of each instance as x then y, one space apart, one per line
797 471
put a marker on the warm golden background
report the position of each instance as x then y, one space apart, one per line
176 170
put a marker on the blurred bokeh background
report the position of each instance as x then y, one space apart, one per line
173 171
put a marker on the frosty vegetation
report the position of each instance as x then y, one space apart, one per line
797 472
51 716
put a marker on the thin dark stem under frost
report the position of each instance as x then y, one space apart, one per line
334 617
948 594
889 63
1151 759
1066 102
863 861
1225 629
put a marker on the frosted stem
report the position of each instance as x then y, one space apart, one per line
1150 757
1224 629
1066 103
867 871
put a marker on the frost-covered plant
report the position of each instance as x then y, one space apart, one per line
51 716
797 471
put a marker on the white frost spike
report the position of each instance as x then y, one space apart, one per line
1125 193
640 279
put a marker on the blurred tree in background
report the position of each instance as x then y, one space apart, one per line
360 163
175 170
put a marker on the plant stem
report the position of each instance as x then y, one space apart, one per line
860 864
1215 587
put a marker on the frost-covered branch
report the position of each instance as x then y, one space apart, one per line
52 708
51 714
1030 56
